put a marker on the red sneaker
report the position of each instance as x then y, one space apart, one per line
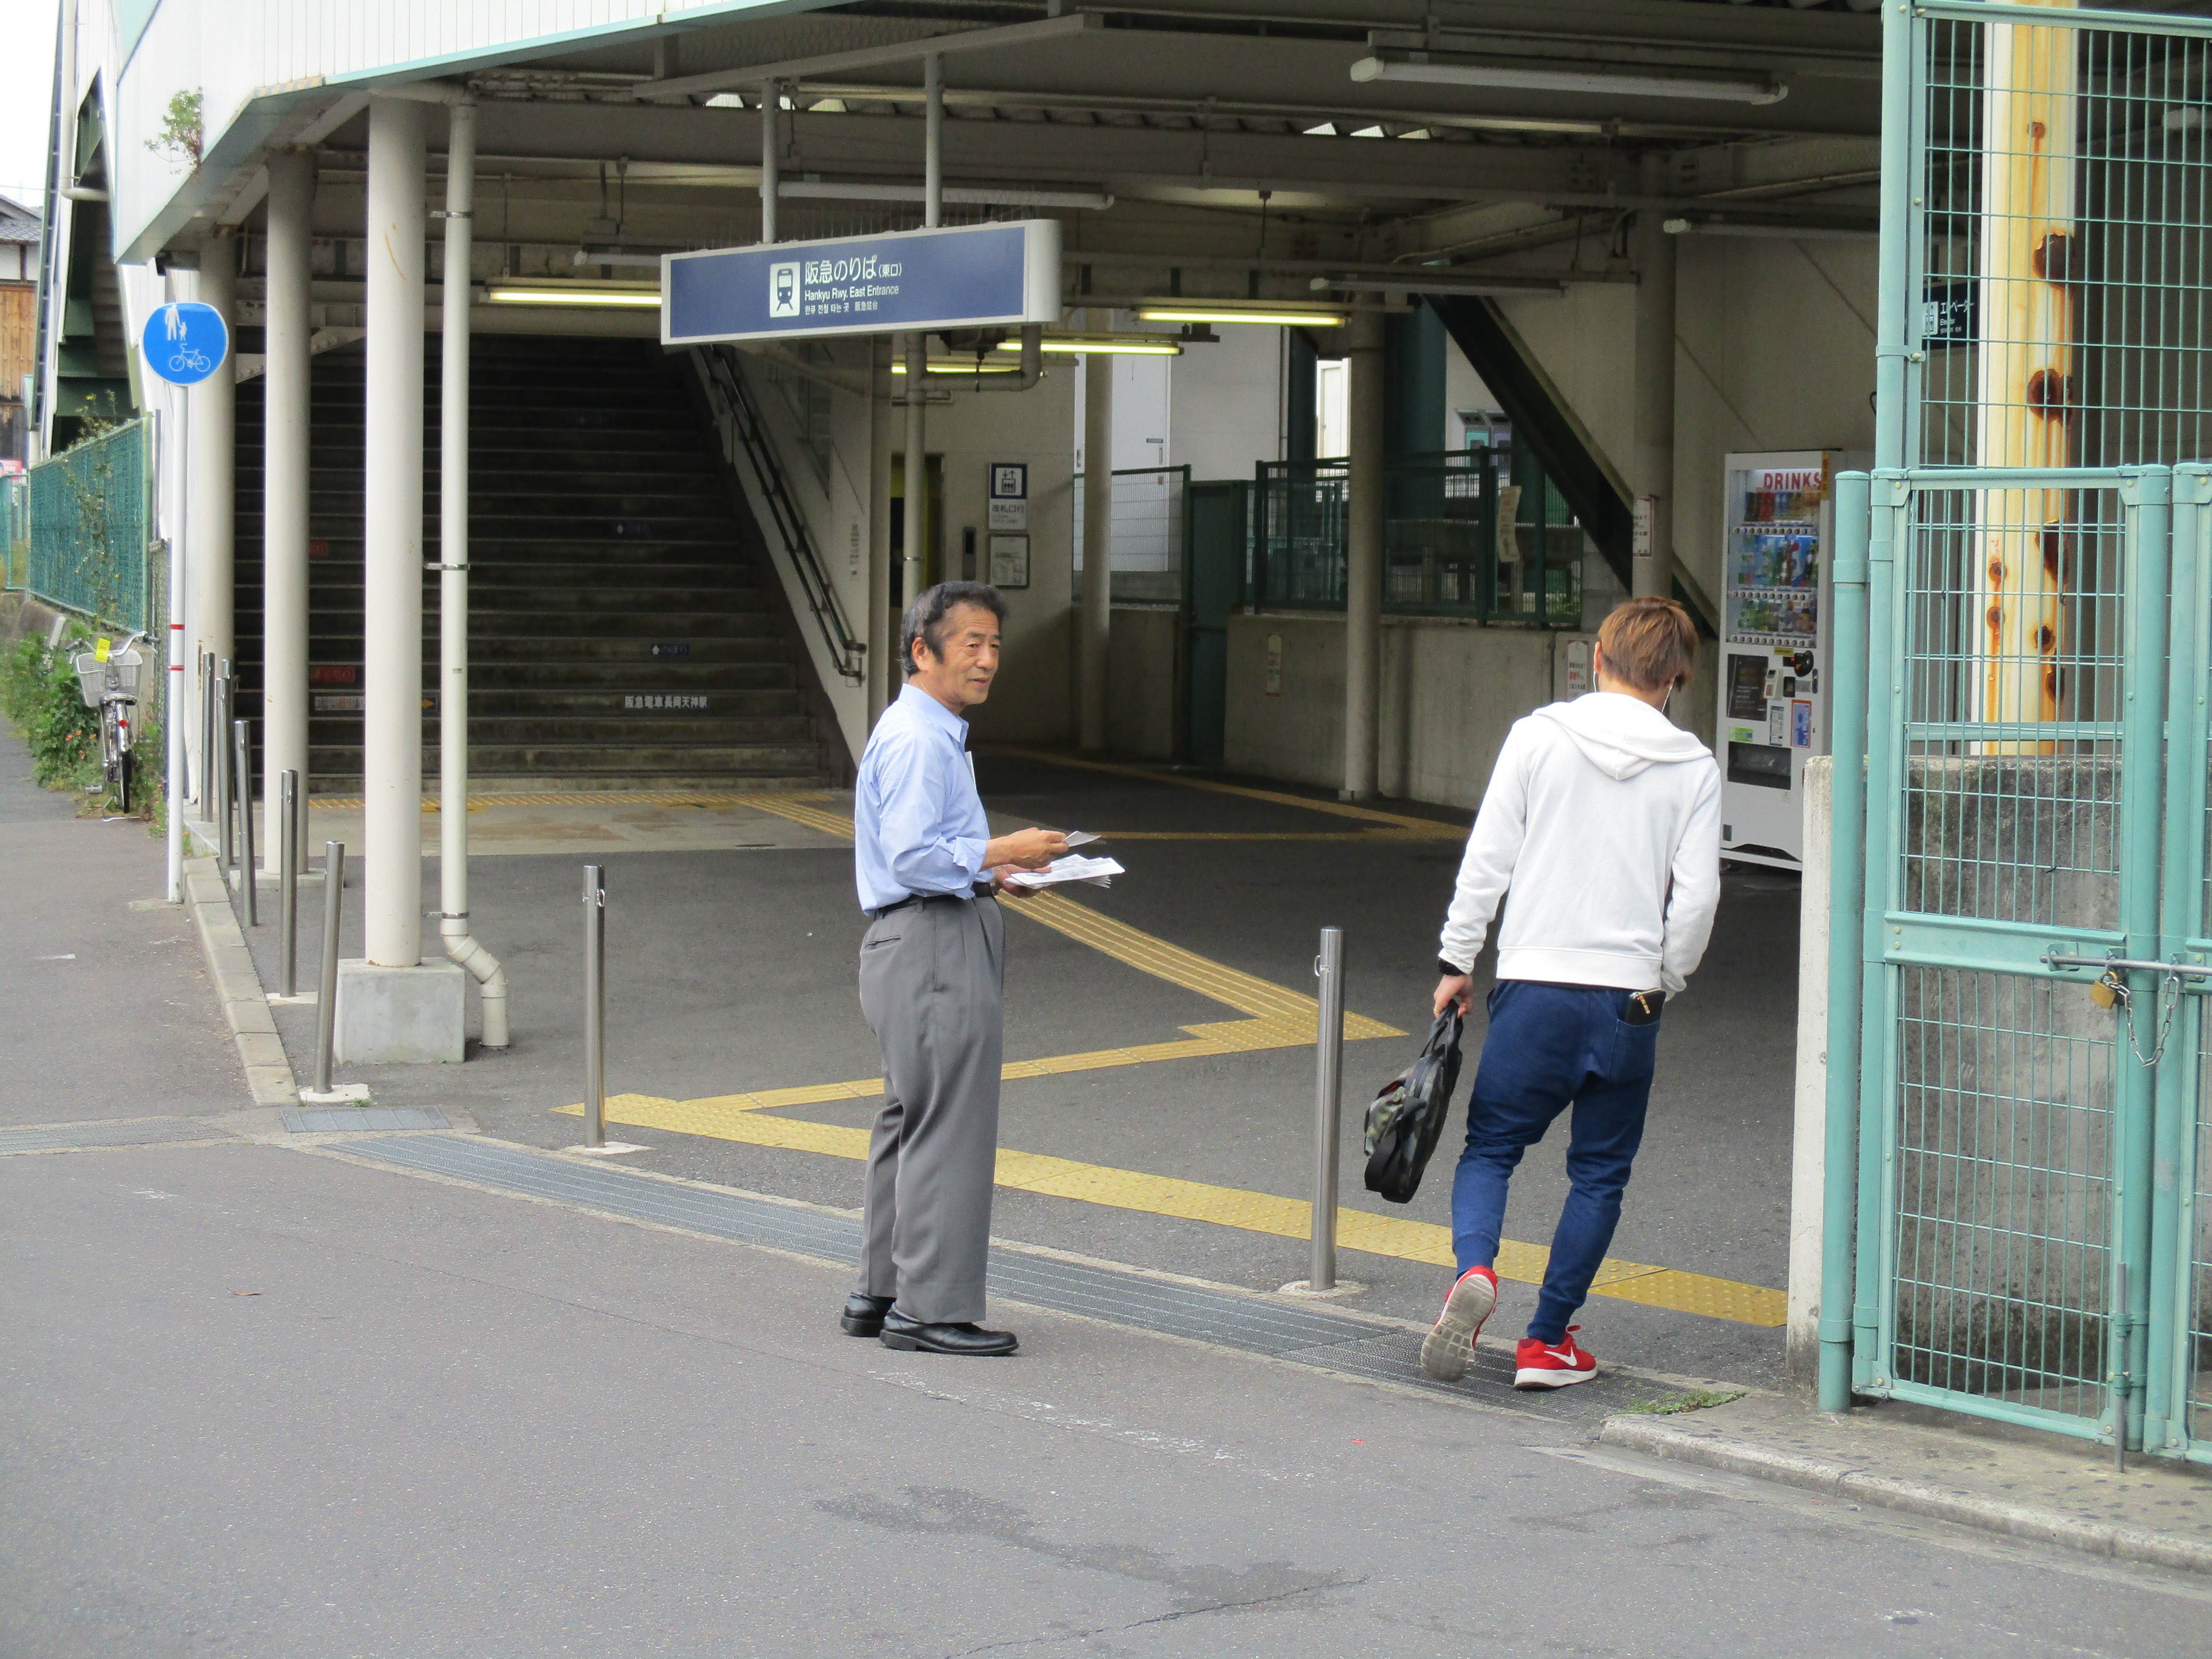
1448 1347
1544 1366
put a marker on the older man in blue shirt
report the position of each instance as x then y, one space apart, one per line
932 971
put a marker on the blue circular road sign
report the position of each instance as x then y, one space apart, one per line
185 341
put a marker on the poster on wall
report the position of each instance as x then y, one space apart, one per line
1009 560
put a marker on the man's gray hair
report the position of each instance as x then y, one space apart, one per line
925 617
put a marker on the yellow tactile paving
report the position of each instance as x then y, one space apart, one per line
723 1119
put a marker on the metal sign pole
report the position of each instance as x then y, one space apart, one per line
327 1004
595 1005
1329 1077
288 865
219 766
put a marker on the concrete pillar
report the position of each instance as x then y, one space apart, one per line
886 674
1097 548
1654 464
391 555
1363 572
1809 1137
284 444
213 492
914 578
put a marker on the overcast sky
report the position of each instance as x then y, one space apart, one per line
26 91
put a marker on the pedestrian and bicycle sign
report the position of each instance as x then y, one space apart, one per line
964 276
185 341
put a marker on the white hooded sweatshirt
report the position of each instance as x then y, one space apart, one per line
1603 817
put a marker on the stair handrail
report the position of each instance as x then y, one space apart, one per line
725 384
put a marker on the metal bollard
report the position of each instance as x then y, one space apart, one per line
244 767
287 878
1329 1092
219 759
595 1005
326 1010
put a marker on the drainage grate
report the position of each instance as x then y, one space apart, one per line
341 1120
142 1131
1281 1330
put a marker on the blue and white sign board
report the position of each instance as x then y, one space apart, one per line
965 277
185 341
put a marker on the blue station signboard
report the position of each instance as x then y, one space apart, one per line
964 276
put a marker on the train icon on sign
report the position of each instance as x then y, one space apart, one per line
783 290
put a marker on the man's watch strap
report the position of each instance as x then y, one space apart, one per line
1448 971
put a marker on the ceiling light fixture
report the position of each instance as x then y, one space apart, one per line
1278 317
1787 233
1105 345
1436 70
962 365
575 296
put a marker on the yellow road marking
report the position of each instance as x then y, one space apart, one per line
1425 829
723 1118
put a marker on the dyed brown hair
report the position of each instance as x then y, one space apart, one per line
1650 643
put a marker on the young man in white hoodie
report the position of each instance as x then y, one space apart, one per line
1601 829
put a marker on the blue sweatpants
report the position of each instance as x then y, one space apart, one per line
1550 1047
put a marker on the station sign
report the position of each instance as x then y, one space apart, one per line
964 276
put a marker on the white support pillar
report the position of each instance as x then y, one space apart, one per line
1654 464
933 160
913 572
392 553
771 158
885 672
1097 548
284 447
210 469
453 921
1363 572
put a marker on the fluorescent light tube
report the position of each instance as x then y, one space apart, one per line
575 296
1068 345
1281 319
1420 66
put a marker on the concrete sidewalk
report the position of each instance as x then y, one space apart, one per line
1944 1467
731 976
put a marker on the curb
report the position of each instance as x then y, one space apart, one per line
245 1004
2115 1541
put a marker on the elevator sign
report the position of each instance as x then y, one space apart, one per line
966 276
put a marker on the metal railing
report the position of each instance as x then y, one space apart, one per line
725 383
1482 534
1151 533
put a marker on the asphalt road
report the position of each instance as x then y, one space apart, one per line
259 1398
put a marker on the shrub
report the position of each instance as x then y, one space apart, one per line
38 694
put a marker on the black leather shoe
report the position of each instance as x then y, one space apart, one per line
900 1331
864 1315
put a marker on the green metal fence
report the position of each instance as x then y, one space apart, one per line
1481 533
15 530
89 527
2019 1205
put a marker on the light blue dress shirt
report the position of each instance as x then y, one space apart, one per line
918 823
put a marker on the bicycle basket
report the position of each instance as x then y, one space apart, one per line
94 678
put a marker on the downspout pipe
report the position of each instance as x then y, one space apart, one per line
454 584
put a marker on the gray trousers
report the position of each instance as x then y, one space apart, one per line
931 979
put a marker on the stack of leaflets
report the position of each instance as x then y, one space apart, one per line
1099 873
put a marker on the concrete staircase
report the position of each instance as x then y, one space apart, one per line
626 629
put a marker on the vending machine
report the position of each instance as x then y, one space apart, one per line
1780 526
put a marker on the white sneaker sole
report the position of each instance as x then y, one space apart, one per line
1532 1376
1448 1347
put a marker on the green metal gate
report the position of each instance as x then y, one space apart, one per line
2019 1190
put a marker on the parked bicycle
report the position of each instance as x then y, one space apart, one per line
108 680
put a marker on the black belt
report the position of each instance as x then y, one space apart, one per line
981 890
